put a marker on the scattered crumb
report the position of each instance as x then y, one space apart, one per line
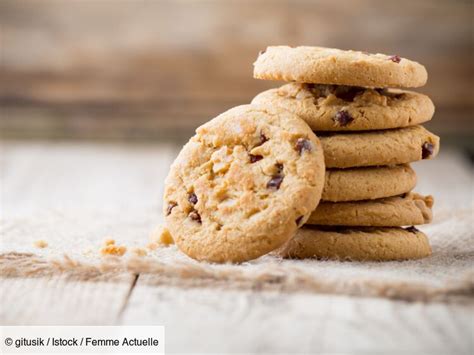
111 249
109 241
139 252
161 236
41 244
152 246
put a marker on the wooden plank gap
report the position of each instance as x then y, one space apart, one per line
127 297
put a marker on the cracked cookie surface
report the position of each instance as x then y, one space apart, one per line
357 244
405 210
349 108
340 67
388 147
243 184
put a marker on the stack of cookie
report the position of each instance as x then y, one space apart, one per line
370 132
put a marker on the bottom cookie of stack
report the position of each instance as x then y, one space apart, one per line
357 243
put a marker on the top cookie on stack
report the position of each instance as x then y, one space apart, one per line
321 65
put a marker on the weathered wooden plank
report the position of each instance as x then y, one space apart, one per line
75 195
56 301
203 320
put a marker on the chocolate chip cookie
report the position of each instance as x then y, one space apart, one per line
357 244
388 147
405 210
243 184
334 66
349 108
368 183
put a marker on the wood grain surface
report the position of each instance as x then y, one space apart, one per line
203 321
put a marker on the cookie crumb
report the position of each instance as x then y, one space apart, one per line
139 251
160 237
41 244
109 241
111 249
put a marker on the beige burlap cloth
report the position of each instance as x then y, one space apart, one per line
446 275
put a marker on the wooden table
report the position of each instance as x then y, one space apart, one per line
83 187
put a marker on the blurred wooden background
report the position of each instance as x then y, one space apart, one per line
153 69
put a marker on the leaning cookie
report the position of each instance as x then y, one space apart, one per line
405 210
349 108
357 244
341 67
368 183
388 147
243 184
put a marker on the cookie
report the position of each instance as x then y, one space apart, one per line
349 108
405 210
368 183
388 147
321 65
358 244
243 184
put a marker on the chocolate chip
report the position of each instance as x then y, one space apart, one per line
261 52
277 178
302 144
343 118
171 205
395 58
348 93
411 229
195 216
298 220
427 150
263 139
255 158
192 198
275 182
